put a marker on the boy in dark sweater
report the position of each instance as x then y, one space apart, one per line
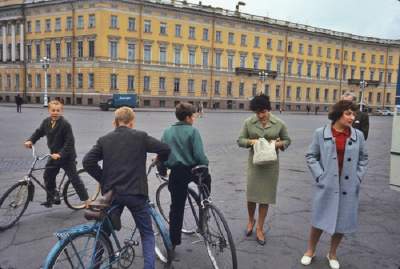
123 152
186 152
60 141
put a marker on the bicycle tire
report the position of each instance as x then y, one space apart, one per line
163 245
218 238
163 201
70 246
70 196
5 206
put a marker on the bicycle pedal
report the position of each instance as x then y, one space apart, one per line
197 241
128 242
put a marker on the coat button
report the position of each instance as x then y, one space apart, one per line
334 158
350 143
344 193
346 177
349 159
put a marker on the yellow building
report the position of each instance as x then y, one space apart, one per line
168 51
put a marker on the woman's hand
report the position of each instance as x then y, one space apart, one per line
252 141
279 144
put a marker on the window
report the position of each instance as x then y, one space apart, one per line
176 84
299 67
362 74
380 76
29 27
58 50
269 43
177 58
69 81
192 57
163 55
327 69
280 45
58 81
161 83
131 52
308 91
369 97
337 54
192 32
309 52
390 60
131 24
48 25
345 55
242 60
256 41
336 72
289 71
278 91
146 83
38 81
91 48
382 59
344 73
80 49
218 36
290 46
301 48
80 80
328 53
131 83
147 26
69 23
318 71
371 75
204 87
353 72
178 30
389 77
38 50
230 62
114 22
279 66
48 50
90 80
288 92
298 93
113 50
335 94
363 57
92 21
229 88
147 53
58 24
231 38
319 52
268 64
80 22
218 60
266 89
37 26
28 52
190 85
378 97
205 34
317 93
163 28
326 94
388 98
243 40
205 59
254 89
113 81
353 56
241 89
17 82
373 58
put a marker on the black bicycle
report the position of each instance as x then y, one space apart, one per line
15 200
202 217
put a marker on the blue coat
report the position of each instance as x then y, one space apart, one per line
335 203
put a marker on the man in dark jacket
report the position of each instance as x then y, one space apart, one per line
18 102
123 152
61 143
361 122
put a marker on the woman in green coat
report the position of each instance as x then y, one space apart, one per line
262 180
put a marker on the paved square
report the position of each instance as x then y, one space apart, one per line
376 245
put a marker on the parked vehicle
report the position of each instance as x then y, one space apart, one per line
384 112
119 100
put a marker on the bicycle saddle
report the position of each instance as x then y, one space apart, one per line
199 170
95 210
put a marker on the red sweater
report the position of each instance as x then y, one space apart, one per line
340 138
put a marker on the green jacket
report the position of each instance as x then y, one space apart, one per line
186 145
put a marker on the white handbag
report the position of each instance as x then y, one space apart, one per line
264 152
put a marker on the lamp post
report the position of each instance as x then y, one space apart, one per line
241 3
263 76
45 65
363 84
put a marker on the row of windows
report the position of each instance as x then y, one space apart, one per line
219 37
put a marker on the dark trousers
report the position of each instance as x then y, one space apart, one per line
139 208
53 168
19 108
178 182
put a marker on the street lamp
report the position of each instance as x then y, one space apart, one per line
45 65
240 3
363 84
263 76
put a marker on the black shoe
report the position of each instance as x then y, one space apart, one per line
249 232
56 198
47 204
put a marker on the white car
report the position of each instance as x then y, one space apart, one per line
384 112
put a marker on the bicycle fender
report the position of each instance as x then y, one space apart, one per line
65 234
31 191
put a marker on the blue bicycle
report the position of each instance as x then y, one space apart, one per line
89 246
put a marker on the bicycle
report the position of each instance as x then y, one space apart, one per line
89 246
210 224
15 200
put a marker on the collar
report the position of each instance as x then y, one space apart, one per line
181 123
327 132
272 119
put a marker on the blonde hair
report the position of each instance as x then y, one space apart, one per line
55 103
124 115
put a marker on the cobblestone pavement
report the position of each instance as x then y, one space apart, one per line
375 245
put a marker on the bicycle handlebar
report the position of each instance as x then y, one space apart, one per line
39 158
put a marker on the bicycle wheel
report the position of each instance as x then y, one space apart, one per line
163 201
163 244
218 239
13 204
81 251
71 198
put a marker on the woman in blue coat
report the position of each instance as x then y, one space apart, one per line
337 159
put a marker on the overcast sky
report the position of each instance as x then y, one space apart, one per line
376 18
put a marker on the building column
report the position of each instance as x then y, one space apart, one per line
13 42
4 31
21 42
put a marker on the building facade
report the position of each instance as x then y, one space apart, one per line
169 51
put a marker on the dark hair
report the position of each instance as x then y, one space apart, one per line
340 107
260 103
183 110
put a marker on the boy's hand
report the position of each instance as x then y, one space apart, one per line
55 156
28 144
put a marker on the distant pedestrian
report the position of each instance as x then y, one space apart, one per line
337 159
18 102
308 107
316 110
361 122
